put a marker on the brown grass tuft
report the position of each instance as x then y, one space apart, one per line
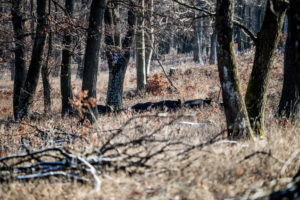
224 169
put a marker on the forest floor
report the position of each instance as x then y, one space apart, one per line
188 168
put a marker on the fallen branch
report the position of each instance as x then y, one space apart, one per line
48 174
262 153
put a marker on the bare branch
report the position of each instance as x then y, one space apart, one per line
246 30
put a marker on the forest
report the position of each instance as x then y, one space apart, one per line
150 99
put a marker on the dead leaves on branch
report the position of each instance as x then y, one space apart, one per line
81 102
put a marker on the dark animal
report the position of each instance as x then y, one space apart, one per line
169 104
104 109
197 103
142 106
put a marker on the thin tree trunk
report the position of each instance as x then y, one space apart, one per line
201 36
45 78
20 64
238 125
140 47
213 46
57 52
32 20
149 38
290 100
267 41
92 49
79 67
196 44
31 82
65 74
117 57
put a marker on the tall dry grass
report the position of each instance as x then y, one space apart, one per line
221 170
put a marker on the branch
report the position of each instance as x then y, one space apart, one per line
208 13
93 171
262 153
246 30
47 174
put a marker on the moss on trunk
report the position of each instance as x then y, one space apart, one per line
266 44
238 125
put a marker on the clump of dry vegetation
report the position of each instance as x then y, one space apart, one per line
176 155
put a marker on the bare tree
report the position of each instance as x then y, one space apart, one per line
92 49
149 43
46 70
295 9
20 64
238 124
31 82
65 74
213 48
266 44
45 76
290 99
117 52
140 47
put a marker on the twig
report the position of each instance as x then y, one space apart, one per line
209 142
289 161
63 152
262 153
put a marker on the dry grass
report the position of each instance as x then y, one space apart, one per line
215 171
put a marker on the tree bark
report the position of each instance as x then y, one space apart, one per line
289 105
213 46
45 77
238 125
91 59
20 64
266 43
65 74
149 37
295 10
140 47
30 85
117 55
196 44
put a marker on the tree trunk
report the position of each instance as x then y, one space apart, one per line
149 38
196 44
238 125
115 85
289 103
91 59
65 74
295 12
45 78
32 27
20 64
79 67
238 32
117 55
140 47
213 46
266 44
30 85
